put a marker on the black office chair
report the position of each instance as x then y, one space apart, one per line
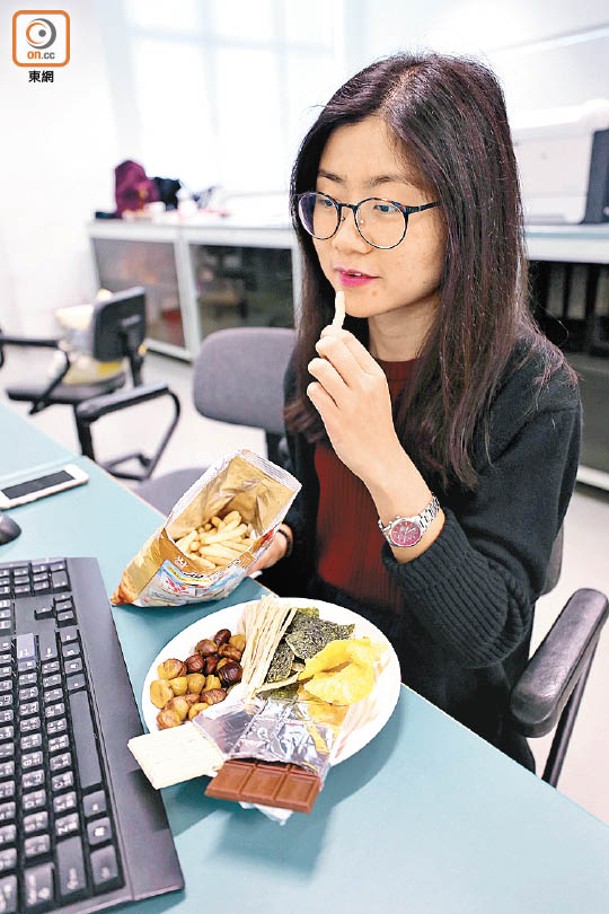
549 692
238 378
116 332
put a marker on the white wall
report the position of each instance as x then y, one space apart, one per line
57 153
548 53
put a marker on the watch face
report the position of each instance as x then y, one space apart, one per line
405 533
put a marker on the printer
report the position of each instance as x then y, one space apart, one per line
563 158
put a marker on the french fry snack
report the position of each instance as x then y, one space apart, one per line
212 536
339 310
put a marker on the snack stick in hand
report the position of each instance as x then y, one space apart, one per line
339 310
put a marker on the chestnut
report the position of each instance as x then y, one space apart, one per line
213 696
211 662
222 637
194 663
167 719
171 669
231 673
206 647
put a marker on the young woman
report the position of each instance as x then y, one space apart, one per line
437 435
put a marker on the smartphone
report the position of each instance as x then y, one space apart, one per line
20 493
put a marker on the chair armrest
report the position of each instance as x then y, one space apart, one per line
92 410
36 342
40 402
551 674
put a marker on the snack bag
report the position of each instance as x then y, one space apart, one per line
212 536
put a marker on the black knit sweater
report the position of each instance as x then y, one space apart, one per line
463 635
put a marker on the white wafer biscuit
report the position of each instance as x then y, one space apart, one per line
339 312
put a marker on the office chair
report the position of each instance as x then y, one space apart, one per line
237 378
117 331
549 692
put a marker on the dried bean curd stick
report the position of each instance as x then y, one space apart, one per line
265 624
339 310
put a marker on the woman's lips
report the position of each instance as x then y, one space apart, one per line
353 278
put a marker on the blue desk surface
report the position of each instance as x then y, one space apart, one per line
427 818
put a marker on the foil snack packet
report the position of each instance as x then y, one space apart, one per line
212 536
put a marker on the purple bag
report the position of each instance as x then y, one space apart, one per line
132 187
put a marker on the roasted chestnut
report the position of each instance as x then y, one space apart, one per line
211 662
167 719
206 647
222 637
195 663
231 673
171 669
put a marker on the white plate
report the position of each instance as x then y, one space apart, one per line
365 718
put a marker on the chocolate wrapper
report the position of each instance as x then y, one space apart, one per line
162 575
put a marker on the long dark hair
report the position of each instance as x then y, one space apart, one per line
449 114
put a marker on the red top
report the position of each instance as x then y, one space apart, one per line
349 541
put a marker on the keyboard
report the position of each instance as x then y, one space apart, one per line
81 829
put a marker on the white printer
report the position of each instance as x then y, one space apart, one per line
563 157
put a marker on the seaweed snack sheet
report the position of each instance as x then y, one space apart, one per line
165 574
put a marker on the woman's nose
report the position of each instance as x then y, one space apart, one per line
347 236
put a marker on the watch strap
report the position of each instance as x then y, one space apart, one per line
407 530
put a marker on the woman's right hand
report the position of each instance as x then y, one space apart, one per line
274 553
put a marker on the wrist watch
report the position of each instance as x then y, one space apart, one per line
407 531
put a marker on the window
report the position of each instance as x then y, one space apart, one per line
220 91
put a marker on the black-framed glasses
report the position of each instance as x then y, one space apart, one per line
381 223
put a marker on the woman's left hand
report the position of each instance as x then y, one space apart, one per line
352 397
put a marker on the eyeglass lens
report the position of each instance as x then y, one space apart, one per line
380 223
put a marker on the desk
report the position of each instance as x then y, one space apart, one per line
427 818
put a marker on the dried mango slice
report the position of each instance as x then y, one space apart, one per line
359 650
343 687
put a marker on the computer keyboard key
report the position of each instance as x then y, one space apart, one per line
8 895
76 682
7 750
30 725
7 732
36 822
8 861
7 811
8 835
54 711
59 762
43 612
67 825
66 618
38 888
59 743
73 666
85 742
36 846
99 831
62 781
52 695
31 741
104 868
58 725
7 769
31 779
72 881
47 645
68 634
7 790
64 802
59 581
32 760
35 800
94 804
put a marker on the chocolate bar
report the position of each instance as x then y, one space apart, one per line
266 783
